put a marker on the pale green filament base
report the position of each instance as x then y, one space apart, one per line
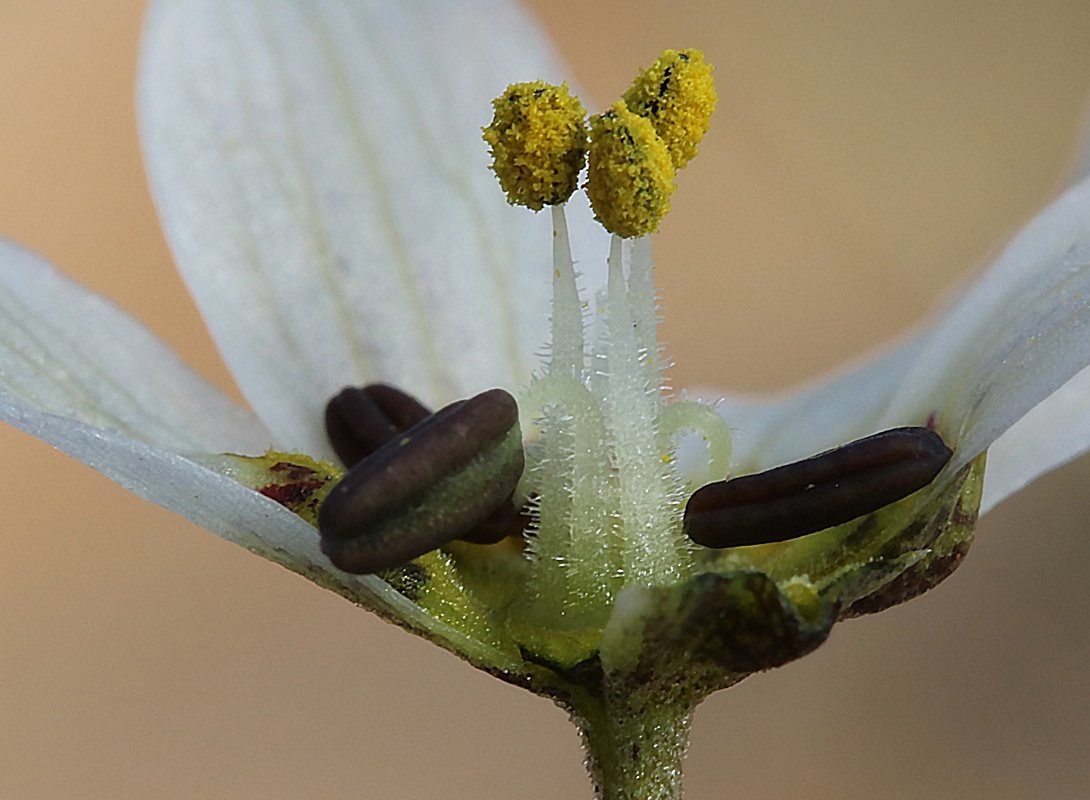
654 547
600 474
567 345
686 415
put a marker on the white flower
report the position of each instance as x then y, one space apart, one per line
334 219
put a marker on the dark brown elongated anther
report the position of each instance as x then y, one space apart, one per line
426 487
816 493
360 419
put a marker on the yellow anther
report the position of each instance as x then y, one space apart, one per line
631 176
538 137
677 94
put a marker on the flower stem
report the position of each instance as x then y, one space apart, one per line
634 751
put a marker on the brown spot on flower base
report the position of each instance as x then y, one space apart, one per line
298 488
292 472
291 494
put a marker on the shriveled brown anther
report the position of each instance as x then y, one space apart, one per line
816 493
361 419
426 487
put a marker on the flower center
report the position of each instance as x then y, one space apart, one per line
606 501
579 475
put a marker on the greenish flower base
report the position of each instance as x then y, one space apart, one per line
632 683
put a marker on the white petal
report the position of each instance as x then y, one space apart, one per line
769 431
69 352
1015 338
1051 434
319 170
998 351
230 510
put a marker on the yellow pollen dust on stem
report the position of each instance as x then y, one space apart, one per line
538 138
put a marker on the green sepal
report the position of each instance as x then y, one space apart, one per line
880 559
714 629
435 585
432 582
921 550
560 649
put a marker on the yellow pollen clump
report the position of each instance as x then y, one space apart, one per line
677 94
631 175
538 138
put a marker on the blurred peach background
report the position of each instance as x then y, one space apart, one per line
866 157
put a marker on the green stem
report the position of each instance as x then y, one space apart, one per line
634 751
